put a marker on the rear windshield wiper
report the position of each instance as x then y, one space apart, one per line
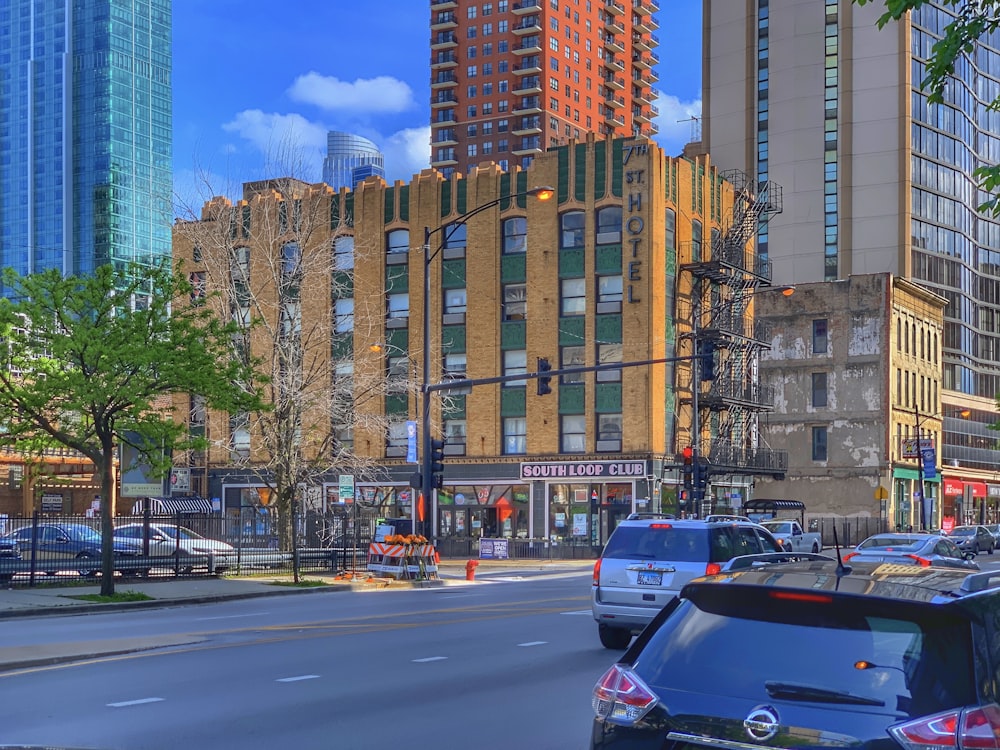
791 691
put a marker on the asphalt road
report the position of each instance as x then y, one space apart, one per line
509 664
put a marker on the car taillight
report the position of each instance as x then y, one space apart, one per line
849 555
712 568
620 697
597 571
974 727
923 562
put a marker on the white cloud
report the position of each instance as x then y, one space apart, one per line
291 144
381 94
676 124
407 152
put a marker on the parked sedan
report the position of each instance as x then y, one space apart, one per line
912 549
190 549
973 539
994 529
54 542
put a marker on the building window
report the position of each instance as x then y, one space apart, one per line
515 235
343 316
343 253
574 433
609 294
396 440
454 366
239 435
515 362
454 301
291 259
515 301
454 436
819 443
818 389
609 432
571 225
609 225
820 340
454 236
398 306
515 436
572 356
397 241
574 297
695 241
609 354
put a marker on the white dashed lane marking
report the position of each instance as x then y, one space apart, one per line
139 702
532 643
430 658
578 612
299 678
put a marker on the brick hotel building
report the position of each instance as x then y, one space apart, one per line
601 273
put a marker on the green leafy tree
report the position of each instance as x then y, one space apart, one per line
974 19
91 362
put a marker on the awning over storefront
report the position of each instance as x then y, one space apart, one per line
978 488
174 505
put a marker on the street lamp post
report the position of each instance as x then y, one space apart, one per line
924 458
542 193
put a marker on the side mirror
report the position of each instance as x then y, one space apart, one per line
62 540
970 555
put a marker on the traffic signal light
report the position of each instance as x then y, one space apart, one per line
706 359
688 467
436 463
544 381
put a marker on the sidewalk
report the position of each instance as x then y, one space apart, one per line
54 599
57 600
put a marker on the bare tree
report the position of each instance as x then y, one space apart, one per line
282 259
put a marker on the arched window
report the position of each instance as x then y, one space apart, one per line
515 235
397 241
695 241
454 236
571 229
343 253
609 225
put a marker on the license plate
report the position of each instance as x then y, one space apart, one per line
650 578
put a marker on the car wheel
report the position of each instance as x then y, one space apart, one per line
615 638
87 572
815 548
989 550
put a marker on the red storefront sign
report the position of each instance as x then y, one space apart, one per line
953 486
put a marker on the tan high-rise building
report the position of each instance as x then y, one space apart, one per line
812 95
511 79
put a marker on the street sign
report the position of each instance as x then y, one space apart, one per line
411 442
929 457
909 449
881 493
346 489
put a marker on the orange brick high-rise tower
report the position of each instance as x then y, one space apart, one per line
511 79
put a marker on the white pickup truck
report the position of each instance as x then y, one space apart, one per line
790 535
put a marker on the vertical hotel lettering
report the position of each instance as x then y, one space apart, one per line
635 225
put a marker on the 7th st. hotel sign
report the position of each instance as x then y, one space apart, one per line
583 470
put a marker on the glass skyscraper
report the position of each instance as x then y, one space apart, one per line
350 159
85 133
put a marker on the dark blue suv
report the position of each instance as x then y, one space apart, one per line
811 654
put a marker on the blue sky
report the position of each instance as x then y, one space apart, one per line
257 85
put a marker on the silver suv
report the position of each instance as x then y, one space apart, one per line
648 559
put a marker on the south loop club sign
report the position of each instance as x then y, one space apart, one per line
583 469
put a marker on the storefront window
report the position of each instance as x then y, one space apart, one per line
490 511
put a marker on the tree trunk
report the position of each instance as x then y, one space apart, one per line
107 471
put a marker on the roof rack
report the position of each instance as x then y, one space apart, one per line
980 581
642 516
715 517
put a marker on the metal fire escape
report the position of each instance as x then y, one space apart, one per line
723 284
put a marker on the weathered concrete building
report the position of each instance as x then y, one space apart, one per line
856 367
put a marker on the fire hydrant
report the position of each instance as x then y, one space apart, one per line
470 570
